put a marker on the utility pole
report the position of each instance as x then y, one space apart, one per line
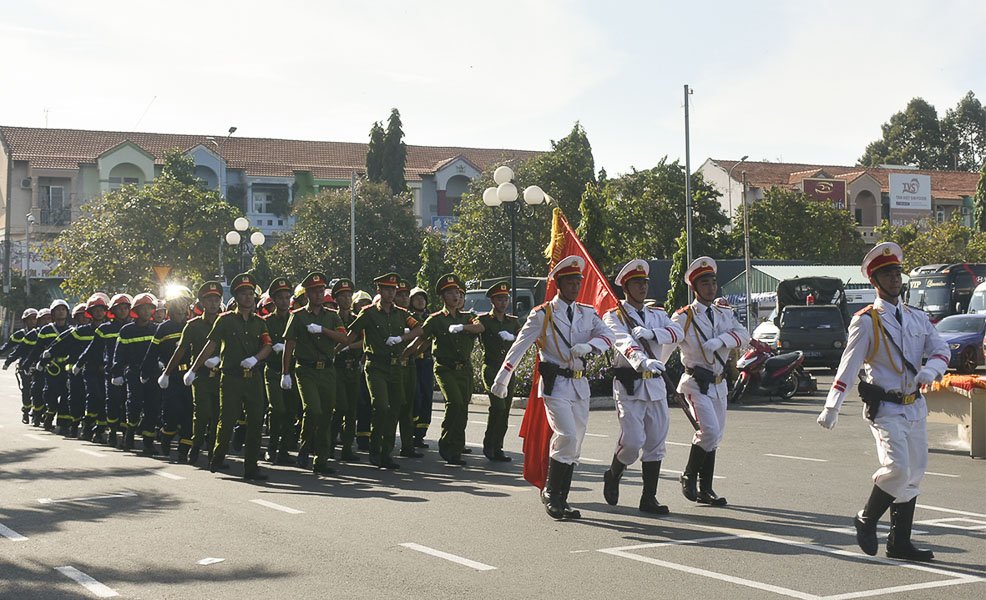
688 183
352 225
746 256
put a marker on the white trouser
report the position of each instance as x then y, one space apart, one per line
568 418
902 446
643 426
710 412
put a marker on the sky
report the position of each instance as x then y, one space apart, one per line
783 81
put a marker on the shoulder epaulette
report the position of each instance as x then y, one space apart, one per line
539 307
514 317
434 313
657 308
586 305
864 310
682 310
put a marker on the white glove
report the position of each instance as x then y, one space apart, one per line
46 355
654 366
212 363
499 390
278 347
643 333
713 344
314 328
581 349
285 382
163 381
827 418
457 328
394 340
76 369
38 367
117 381
249 362
925 376
144 379
161 365
507 336
188 378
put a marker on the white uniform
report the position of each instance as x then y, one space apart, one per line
899 430
642 411
568 405
708 409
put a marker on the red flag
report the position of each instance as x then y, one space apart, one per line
596 292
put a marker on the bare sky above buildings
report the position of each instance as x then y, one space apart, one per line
791 81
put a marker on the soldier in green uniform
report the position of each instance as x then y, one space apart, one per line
348 374
424 366
454 332
364 412
406 420
283 403
205 390
385 329
499 331
243 343
310 346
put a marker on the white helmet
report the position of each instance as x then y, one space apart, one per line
59 302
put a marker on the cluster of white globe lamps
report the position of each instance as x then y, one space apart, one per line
241 224
506 192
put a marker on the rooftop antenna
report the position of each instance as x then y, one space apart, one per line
46 110
143 114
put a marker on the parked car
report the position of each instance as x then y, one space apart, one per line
964 334
766 331
818 330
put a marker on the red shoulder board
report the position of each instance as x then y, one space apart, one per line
539 307
299 309
435 313
514 317
681 310
586 305
659 308
864 310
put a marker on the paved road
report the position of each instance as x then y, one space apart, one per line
139 527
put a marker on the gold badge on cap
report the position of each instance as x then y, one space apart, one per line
886 252
705 264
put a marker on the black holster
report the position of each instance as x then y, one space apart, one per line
626 376
703 377
548 372
871 395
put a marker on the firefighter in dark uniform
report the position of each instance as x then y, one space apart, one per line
283 403
55 380
143 394
424 366
243 343
176 400
97 360
499 332
348 374
94 422
37 379
67 349
29 319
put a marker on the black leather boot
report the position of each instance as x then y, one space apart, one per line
648 498
239 437
149 449
899 541
688 479
283 458
569 512
554 503
26 415
183 450
193 454
128 439
166 445
867 519
98 434
87 431
611 481
705 476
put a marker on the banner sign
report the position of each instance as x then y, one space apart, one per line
829 190
910 197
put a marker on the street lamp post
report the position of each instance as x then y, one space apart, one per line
234 237
729 182
505 194
27 268
222 192
746 256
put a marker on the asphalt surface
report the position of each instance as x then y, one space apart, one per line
139 527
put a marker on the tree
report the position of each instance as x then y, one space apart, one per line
433 266
678 292
593 226
927 242
980 201
17 299
123 234
911 137
964 133
394 154
374 154
387 236
261 268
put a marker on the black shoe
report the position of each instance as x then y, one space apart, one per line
112 439
323 469
487 450
26 416
899 541
255 475
285 459
128 439
611 481
302 460
183 450
467 450
98 436
363 443
86 434
193 454
349 456
410 453
499 456
417 443
689 478
149 448
166 446
867 519
375 460
456 460
386 462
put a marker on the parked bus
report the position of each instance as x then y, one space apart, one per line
943 290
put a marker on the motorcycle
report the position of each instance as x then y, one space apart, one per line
760 370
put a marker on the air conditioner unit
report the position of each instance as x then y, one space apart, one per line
26 183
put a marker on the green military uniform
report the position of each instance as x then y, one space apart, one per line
383 370
348 374
283 403
240 389
314 374
494 352
424 367
410 382
453 370
205 388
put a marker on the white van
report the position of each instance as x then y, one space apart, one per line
977 304
858 299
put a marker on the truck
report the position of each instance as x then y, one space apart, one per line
529 293
813 317
943 290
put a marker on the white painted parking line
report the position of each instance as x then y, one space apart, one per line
451 557
951 510
797 457
108 496
951 523
210 561
11 535
882 530
100 590
165 474
681 473
941 474
91 452
290 511
596 435
35 436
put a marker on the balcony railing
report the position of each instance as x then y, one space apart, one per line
56 217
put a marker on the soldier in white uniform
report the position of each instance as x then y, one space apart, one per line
565 332
894 407
710 332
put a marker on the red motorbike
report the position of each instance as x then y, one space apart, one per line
763 372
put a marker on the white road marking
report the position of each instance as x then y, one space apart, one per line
11 535
578 551
35 436
594 460
596 435
951 510
122 495
210 561
478 422
451 557
290 511
100 590
681 473
797 457
91 452
474 445
951 523
941 474
852 530
676 443
165 474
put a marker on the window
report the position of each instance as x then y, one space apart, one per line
859 216
940 214
280 222
55 210
262 201
118 182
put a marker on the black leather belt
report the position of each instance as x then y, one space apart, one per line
318 365
450 363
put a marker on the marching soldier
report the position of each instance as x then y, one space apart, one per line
348 374
424 366
243 342
309 347
709 333
29 320
384 327
63 352
406 421
143 394
23 354
638 388
283 403
566 332
364 411
55 393
94 422
97 360
890 339
175 400
499 331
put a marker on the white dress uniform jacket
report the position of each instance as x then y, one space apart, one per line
630 351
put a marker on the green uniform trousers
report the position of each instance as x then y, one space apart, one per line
496 422
410 376
238 394
317 388
205 416
386 385
347 395
456 386
282 412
